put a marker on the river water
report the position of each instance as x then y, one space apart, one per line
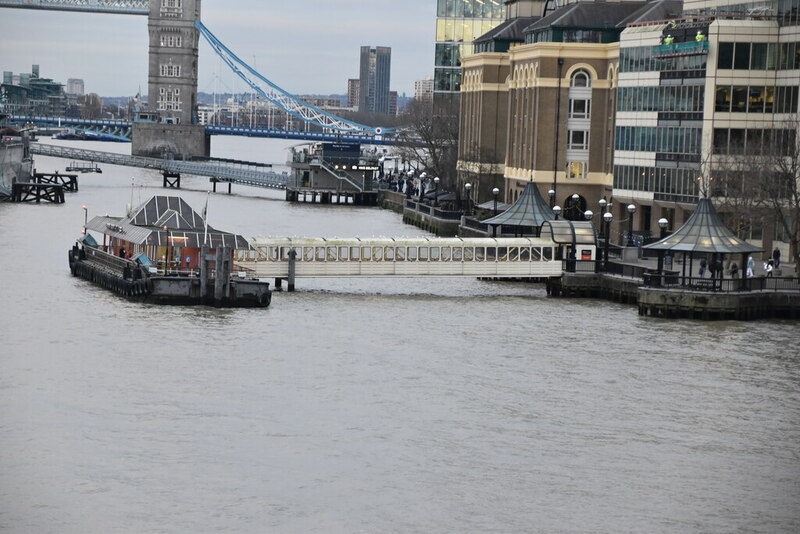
401 405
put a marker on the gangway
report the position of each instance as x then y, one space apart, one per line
219 171
286 258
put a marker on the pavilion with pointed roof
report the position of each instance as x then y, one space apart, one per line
526 215
704 233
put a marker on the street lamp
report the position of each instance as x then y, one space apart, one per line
631 211
552 194
662 223
556 211
468 187
607 218
495 192
436 191
574 207
422 185
602 203
410 175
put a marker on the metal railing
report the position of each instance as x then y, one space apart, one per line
432 211
692 47
724 285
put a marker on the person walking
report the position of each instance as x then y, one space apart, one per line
769 267
751 264
734 270
776 256
702 267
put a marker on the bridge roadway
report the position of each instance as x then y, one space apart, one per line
119 7
122 128
526 257
237 173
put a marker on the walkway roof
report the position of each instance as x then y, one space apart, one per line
530 209
704 231
566 232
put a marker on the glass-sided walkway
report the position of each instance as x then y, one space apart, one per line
377 257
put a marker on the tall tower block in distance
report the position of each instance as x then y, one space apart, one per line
169 126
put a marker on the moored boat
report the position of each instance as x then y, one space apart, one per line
194 262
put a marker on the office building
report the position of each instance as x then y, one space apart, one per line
458 24
352 92
423 90
718 81
75 86
374 76
537 102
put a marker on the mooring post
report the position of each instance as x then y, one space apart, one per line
219 277
292 260
203 271
229 187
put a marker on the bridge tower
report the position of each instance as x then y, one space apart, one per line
169 124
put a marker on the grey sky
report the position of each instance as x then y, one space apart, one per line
304 47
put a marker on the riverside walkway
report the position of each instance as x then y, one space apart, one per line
219 171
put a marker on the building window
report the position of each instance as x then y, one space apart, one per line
171 41
579 108
578 140
576 170
581 79
171 71
172 3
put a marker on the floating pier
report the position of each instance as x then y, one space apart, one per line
331 196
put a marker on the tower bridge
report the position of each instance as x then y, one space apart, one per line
170 123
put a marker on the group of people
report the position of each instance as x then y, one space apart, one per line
716 269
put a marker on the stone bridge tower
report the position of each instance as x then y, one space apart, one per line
168 127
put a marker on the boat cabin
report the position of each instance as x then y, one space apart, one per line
164 234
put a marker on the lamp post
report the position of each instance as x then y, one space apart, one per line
631 211
468 187
575 206
495 192
556 211
422 186
409 182
552 194
435 191
662 223
602 203
85 218
607 218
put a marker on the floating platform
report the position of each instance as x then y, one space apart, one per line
331 196
127 279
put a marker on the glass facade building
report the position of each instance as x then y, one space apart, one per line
458 24
720 82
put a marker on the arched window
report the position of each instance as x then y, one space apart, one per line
581 78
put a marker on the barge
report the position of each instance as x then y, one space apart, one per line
193 262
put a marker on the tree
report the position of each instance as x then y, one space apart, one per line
762 174
431 141
779 186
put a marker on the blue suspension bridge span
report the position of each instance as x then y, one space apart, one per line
176 112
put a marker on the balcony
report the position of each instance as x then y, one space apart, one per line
681 49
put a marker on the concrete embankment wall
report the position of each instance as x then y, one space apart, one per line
675 303
395 201
13 166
